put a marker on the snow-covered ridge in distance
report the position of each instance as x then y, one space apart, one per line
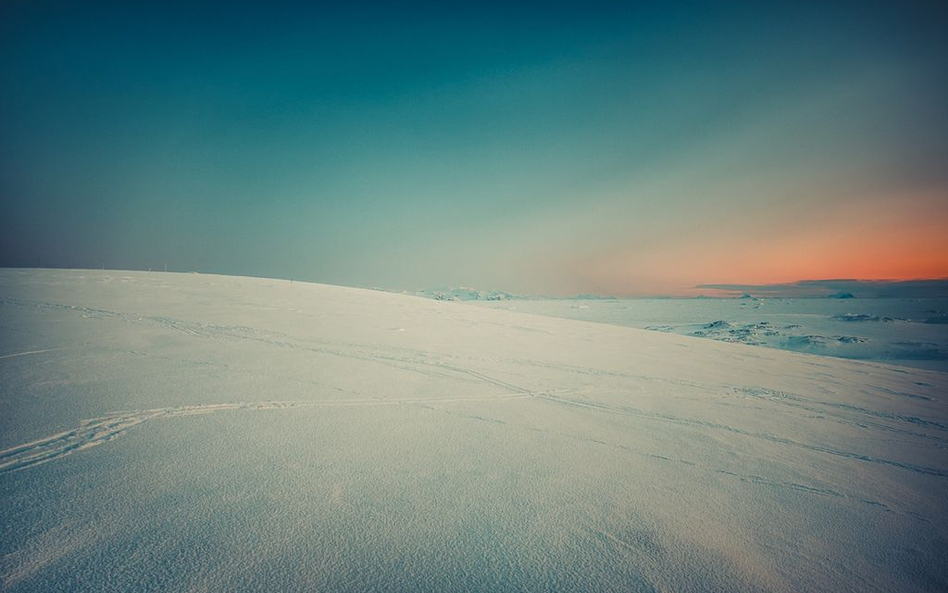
465 294
473 294
183 432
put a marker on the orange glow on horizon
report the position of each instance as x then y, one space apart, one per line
895 240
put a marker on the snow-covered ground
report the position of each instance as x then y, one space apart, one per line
904 331
175 432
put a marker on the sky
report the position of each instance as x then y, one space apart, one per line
548 148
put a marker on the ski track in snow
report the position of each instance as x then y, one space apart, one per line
16 354
97 431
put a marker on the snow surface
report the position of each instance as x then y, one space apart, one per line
904 331
176 432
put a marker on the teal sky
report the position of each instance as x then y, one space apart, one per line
627 148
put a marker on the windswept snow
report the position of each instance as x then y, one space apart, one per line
184 432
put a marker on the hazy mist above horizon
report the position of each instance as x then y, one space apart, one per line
557 148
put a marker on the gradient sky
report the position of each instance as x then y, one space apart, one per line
623 148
